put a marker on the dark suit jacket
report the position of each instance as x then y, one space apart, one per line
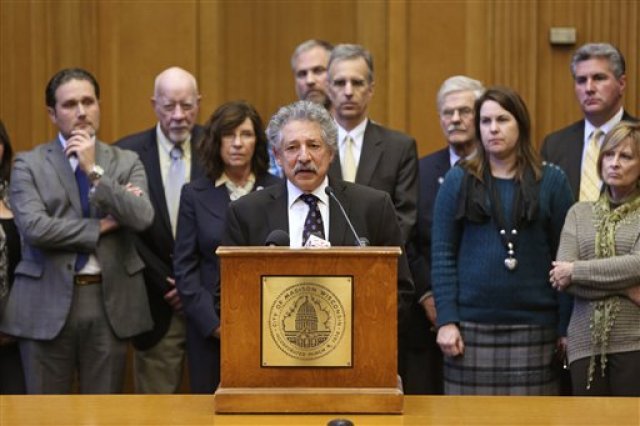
389 162
155 245
251 219
201 224
432 169
564 148
46 204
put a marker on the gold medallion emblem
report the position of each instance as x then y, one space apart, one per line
308 321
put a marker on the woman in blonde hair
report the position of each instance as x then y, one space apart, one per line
599 263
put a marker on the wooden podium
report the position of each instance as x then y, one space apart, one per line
367 384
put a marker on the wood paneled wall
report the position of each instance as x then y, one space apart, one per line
241 49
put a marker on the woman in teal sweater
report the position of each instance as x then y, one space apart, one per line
497 223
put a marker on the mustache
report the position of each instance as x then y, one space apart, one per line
454 127
304 168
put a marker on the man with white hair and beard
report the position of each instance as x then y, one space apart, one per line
421 359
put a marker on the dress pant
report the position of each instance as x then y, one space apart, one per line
11 372
203 354
159 369
621 376
86 346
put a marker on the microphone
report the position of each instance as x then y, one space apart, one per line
277 238
361 242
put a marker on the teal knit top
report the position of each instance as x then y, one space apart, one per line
470 280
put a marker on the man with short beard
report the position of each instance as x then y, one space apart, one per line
160 353
309 64
421 359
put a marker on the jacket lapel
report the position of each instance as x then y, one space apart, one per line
277 210
61 166
338 227
369 155
211 198
150 160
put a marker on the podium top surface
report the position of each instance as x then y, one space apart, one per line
231 251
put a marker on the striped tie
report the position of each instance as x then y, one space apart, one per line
348 162
589 180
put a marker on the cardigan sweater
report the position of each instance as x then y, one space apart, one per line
470 280
598 278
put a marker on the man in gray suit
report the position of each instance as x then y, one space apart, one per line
78 293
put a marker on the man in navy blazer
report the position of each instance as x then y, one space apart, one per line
599 76
382 158
303 136
421 361
160 353
78 294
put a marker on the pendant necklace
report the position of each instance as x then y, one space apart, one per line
509 236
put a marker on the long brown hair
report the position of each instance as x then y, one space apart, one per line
526 155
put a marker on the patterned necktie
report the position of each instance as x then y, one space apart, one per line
313 224
83 190
589 180
175 180
348 162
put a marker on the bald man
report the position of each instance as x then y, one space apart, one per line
166 151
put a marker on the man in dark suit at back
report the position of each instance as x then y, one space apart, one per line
368 153
598 71
303 137
421 363
167 153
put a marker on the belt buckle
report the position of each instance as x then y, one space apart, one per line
85 279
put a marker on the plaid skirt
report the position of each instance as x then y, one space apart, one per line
503 360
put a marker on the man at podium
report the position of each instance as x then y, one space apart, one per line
310 208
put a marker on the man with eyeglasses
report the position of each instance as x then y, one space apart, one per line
455 102
370 154
167 153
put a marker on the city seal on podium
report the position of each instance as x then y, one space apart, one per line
307 321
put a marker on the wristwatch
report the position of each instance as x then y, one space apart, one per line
95 173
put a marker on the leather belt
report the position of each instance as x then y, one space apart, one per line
86 279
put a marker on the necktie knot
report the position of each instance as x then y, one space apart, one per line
310 199
176 152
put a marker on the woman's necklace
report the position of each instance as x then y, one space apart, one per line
508 236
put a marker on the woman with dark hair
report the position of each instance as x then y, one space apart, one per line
11 372
497 222
599 264
234 154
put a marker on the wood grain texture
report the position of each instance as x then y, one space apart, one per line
197 410
241 50
374 272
